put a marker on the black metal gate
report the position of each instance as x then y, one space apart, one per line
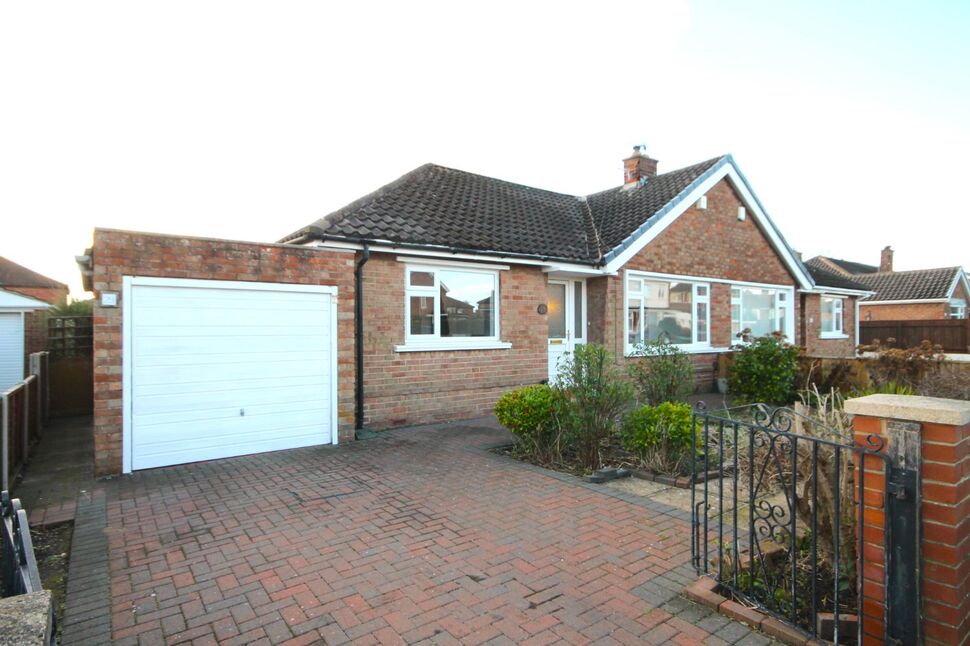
782 517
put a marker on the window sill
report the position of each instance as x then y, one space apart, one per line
687 349
451 347
833 336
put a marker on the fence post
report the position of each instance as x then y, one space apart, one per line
35 371
935 433
28 383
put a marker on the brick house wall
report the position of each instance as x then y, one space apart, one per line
704 243
123 253
903 312
402 388
811 328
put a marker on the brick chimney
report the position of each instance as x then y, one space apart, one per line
639 166
886 261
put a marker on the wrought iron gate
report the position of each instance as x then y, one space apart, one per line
782 515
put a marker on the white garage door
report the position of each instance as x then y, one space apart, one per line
216 369
11 349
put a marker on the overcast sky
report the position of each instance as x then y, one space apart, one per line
248 120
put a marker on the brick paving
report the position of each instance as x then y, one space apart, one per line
416 536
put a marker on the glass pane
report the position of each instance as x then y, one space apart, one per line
735 293
828 320
633 321
633 285
702 322
556 302
701 291
422 279
758 311
422 315
467 303
668 312
735 320
579 316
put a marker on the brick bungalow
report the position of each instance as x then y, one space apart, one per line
440 290
922 294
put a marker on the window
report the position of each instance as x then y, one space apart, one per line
675 311
958 309
760 310
832 317
450 306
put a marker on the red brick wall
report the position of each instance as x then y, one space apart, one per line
944 532
125 253
811 321
909 312
402 388
52 295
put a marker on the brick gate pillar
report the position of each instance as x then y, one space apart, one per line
936 433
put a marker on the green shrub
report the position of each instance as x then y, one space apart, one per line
661 436
592 396
764 371
528 413
662 372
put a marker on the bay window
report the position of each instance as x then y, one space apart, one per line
957 309
833 310
450 306
674 311
760 310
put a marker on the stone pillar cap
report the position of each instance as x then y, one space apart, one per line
951 412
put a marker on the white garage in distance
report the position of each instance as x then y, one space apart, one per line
215 369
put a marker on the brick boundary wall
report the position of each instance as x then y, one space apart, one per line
126 253
943 427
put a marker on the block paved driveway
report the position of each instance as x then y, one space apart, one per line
420 535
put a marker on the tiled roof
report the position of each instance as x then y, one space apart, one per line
921 284
854 267
824 277
434 206
14 275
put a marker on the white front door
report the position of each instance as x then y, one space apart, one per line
566 315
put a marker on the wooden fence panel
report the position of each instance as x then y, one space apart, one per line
952 334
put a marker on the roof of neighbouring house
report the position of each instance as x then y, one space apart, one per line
825 277
435 206
916 285
843 266
14 275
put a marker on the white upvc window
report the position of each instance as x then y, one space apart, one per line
958 309
761 311
671 309
450 308
833 317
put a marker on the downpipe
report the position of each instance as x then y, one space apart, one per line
359 340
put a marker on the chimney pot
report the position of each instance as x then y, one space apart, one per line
886 259
638 166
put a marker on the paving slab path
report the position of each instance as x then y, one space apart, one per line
418 535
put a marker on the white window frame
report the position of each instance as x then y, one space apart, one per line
784 303
957 309
434 341
694 345
837 303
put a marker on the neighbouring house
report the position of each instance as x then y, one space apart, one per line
427 299
922 294
25 296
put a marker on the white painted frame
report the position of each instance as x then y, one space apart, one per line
128 282
695 282
789 306
435 342
838 308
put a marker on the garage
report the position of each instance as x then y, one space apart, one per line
215 369
13 308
